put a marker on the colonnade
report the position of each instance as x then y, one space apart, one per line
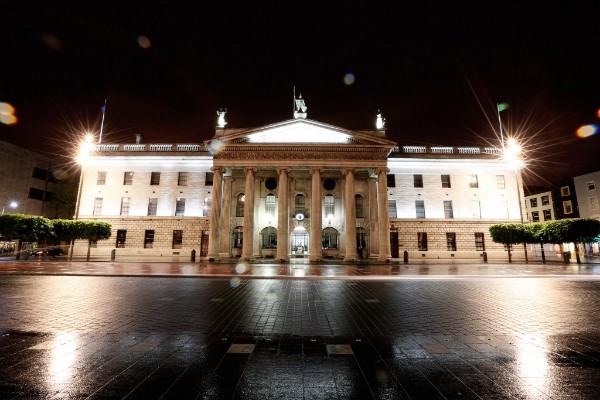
221 211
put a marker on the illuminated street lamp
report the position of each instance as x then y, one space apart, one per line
83 157
511 154
12 204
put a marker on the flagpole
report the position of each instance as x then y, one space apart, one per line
500 122
294 102
102 123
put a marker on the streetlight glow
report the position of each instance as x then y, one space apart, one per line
11 204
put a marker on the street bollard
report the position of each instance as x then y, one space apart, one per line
405 257
485 256
193 255
113 254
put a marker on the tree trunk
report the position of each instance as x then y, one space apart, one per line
87 257
71 251
543 254
577 253
509 255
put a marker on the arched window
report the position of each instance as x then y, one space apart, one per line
268 238
300 204
358 200
270 205
329 206
330 238
239 206
237 237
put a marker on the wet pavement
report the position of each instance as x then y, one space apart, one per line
264 331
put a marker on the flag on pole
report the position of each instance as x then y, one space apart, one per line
502 106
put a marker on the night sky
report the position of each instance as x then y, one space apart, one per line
436 71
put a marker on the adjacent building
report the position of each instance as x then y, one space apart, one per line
299 189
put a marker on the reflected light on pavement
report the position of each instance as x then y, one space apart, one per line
532 362
62 358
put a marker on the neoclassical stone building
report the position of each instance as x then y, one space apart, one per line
298 189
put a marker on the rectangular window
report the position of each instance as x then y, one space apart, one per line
446 181
101 178
207 206
37 194
547 215
149 239
591 185
448 211
473 181
125 205
565 191
97 206
270 205
329 206
358 199
391 180
179 206
392 209
39 173
451 241
418 180
420 208
208 180
475 209
545 200
568 207
152 205
422 241
593 201
177 239
500 184
155 178
535 216
182 179
533 202
479 243
128 178
121 237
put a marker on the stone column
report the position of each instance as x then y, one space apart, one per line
225 236
373 219
215 214
248 234
350 206
315 251
384 218
283 219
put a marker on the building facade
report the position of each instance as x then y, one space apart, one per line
299 189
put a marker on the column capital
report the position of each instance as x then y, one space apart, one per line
283 169
385 170
316 169
228 178
346 171
249 169
216 169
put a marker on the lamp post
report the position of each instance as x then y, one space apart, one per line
86 147
12 204
512 156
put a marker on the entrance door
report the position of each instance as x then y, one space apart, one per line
204 244
394 245
299 243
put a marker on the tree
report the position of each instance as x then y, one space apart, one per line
94 230
72 230
509 234
24 228
536 235
575 230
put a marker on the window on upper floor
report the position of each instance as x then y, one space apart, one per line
358 200
101 178
420 208
37 194
208 179
591 185
270 205
500 183
535 216
391 180
239 205
206 209
182 179
448 211
125 205
97 206
545 200
418 180
39 173
567 207
475 209
329 206
128 178
446 181
392 211
547 215
179 206
533 202
299 204
565 191
593 203
152 205
473 181
155 178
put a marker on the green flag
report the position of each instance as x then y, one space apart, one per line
502 106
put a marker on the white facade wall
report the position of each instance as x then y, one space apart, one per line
535 203
588 194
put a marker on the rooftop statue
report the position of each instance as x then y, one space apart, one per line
221 118
300 108
379 122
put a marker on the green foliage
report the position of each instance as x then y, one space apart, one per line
509 233
25 227
576 230
66 229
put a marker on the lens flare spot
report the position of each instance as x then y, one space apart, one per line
241 268
215 146
8 119
6 108
349 78
598 113
144 42
587 131
234 282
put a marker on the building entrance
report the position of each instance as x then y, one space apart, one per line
299 242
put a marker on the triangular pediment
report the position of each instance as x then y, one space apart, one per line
301 132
